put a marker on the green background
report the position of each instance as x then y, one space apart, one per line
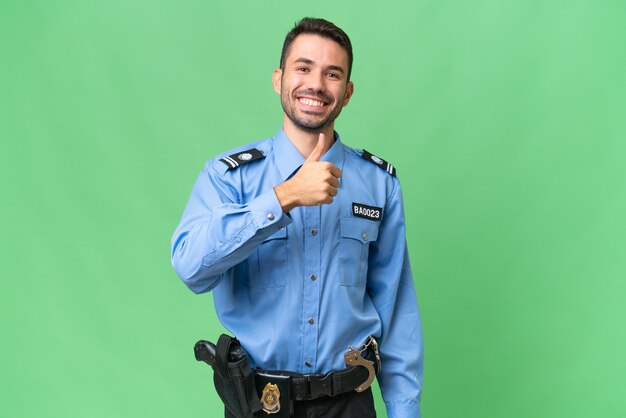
506 122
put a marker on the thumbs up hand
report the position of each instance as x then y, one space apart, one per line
314 184
319 149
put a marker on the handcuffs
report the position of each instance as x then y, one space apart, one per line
353 358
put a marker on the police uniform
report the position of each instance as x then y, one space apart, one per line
298 289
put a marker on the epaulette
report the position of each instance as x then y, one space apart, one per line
243 157
379 162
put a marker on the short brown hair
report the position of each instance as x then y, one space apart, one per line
320 27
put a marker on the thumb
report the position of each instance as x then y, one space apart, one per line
318 151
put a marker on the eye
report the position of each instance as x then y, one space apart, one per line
302 69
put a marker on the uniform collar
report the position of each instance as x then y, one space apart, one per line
288 158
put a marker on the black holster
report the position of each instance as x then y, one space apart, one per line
234 380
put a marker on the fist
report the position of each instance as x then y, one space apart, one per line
314 184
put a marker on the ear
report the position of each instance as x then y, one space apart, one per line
349 93
276 79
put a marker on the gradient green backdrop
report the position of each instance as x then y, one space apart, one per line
505 119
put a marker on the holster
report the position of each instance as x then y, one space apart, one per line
234 380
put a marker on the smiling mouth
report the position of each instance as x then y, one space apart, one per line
311 102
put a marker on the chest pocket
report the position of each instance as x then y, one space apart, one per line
356 236
268 263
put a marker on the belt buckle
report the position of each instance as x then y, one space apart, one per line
320 386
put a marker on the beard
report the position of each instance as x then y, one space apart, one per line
308 121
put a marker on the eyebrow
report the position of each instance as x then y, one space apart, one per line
330 67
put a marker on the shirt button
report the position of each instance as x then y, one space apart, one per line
311 321
314 232
282 227
313 277
365 238
307 364
237 239
270 216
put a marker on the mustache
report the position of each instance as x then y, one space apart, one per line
312 93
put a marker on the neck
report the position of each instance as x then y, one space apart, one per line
305 141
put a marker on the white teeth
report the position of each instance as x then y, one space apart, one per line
310 102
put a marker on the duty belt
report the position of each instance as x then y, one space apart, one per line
246 391
313 386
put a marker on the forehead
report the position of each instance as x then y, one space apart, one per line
322 51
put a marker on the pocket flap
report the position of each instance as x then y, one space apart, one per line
280 234
359 229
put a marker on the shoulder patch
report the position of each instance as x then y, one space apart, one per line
379 162
241 158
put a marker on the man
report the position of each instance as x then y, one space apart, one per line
302 241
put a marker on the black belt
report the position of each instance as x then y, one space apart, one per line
313 386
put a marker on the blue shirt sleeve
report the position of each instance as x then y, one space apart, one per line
218 230
390 285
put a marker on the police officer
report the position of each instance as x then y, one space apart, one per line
302 241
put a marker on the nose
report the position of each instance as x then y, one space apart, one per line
316 81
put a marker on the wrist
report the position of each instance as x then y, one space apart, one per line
285 197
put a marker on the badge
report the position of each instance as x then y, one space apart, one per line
270 399
373 213
246 156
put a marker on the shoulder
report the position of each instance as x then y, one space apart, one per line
378 174
251 154
366 159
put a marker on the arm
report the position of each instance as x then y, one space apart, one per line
390 285
218 231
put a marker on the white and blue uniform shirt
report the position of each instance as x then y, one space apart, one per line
297 289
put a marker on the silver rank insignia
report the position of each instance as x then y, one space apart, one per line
243 157
379 162
270 399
